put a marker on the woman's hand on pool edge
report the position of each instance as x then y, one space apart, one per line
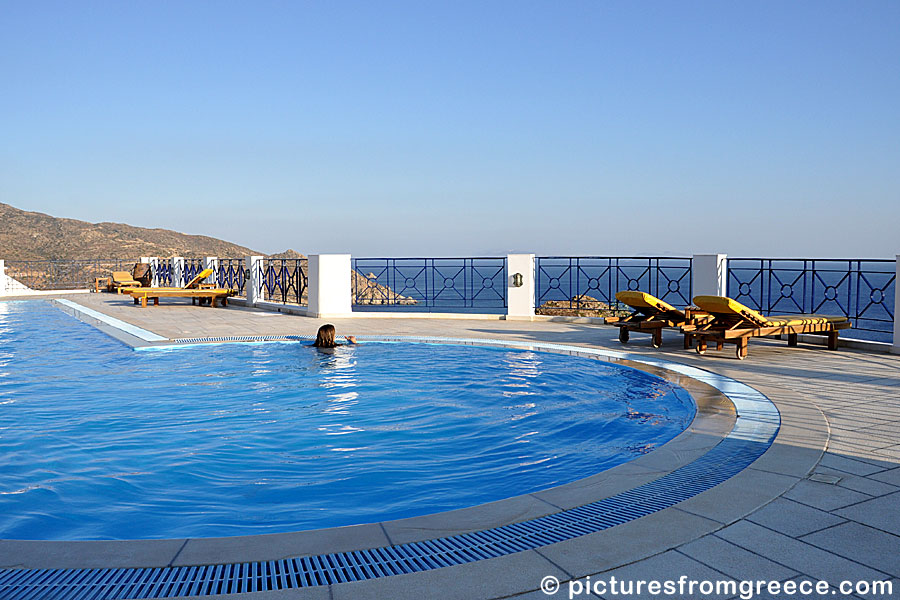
350 338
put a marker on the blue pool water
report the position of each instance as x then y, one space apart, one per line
98 441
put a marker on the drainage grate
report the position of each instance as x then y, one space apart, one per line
755 429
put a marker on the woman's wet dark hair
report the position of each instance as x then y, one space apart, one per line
325 337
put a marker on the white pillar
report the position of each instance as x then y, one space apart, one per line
177 271
709 275
154 270
2 277
253 283
896 347
520 299
329 285
212 262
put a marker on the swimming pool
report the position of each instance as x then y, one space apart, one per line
100 442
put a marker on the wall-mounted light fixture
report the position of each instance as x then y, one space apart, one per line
518 280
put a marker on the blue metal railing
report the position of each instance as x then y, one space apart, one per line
588 282
430 284
192 267
163 272
230 274
284 280
862 290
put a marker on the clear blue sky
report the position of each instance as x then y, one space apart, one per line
444 128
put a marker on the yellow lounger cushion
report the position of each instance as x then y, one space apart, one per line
199 277
640 300
123 277
165 291
722 305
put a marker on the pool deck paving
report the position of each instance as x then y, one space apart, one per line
823 503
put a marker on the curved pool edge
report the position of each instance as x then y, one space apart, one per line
755 415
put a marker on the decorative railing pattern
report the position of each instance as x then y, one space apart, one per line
430 284
192 267
162 273
231 274
590 283
862 290
284 280
64 274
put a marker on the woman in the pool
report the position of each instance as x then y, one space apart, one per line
325 337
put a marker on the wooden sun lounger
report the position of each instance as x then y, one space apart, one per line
734 323
122 280
213 296
193 289
651 315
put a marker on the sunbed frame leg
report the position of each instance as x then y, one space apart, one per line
657 337
156 302
742 349
701 345
688 341
792 339
143 301
833 339
719 344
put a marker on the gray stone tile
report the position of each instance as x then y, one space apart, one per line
880 513
484 516
739 496
795 554
849 465
891 453
790 460
204 551
779 593
734 561
872 547
793 519
668 566
628 542
824 496
866 485
892 476
561 595
883 593
26 554
602 485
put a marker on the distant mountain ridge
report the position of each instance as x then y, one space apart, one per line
28 235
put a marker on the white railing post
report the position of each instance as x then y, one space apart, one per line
896 346
211 262
2 277
154 270
253 283
709 275
329 285
177 271
520 287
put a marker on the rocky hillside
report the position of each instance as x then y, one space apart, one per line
35 236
